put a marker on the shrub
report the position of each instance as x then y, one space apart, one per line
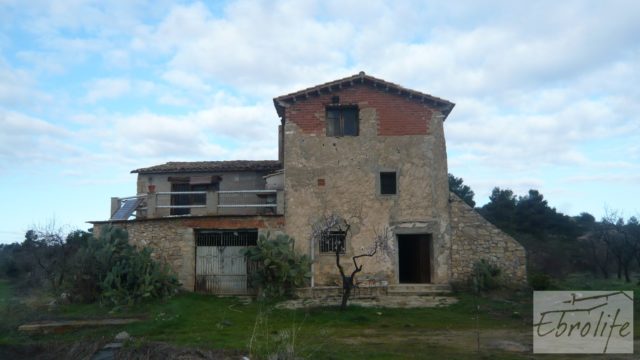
486 276
540 281
110 269
280 269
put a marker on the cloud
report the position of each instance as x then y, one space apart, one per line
215 133
186 80
17 86
107 88
605 178
25 140
254 47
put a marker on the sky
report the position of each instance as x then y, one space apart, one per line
546 92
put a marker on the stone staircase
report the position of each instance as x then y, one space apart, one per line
419 290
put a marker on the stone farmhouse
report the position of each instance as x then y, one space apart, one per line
367 150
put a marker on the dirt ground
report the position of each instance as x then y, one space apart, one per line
85 350
490 340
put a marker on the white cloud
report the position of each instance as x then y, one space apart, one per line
186 80
17 86
605 178
107 88
216 133
25 140
259 47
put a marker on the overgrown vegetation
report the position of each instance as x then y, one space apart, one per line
486 276
82 268
279 268
118 272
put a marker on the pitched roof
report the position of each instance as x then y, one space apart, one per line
443 105
211 166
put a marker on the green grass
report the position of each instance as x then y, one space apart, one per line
325 333
196 320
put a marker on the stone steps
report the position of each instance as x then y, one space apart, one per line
420 289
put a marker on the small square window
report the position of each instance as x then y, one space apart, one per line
332 241
388 184
342 121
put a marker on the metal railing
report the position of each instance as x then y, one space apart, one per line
247 199
197 199
203 203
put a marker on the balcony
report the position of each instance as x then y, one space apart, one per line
198 203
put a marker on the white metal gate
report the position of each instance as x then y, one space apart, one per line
221 268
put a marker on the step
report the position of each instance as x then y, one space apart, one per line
420 289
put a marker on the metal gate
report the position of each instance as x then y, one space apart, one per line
220 266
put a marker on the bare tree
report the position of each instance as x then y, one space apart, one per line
619 242
598 249
322 232
51 251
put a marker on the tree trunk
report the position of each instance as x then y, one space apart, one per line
626 273
347 285
345 297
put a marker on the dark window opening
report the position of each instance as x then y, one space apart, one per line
332 241
180 199
189 199
342 121
388 184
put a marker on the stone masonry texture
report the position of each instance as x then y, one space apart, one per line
473 238
173 239
395 134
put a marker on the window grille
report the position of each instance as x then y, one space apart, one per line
333 240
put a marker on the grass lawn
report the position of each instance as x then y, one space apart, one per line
259 329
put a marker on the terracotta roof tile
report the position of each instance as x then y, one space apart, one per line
444 105
212 166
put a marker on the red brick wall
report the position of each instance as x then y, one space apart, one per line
396 115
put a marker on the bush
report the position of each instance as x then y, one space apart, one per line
280 269
540 281
110 269
486 276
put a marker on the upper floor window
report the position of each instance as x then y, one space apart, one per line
342 121
388 183
181 200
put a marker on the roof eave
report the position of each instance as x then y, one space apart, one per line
281 102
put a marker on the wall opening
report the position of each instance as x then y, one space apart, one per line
221 267
414 258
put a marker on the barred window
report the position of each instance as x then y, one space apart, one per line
333 240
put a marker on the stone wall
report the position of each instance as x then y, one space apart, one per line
473 238
340 175
173 240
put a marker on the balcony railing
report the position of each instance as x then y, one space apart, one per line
203 203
